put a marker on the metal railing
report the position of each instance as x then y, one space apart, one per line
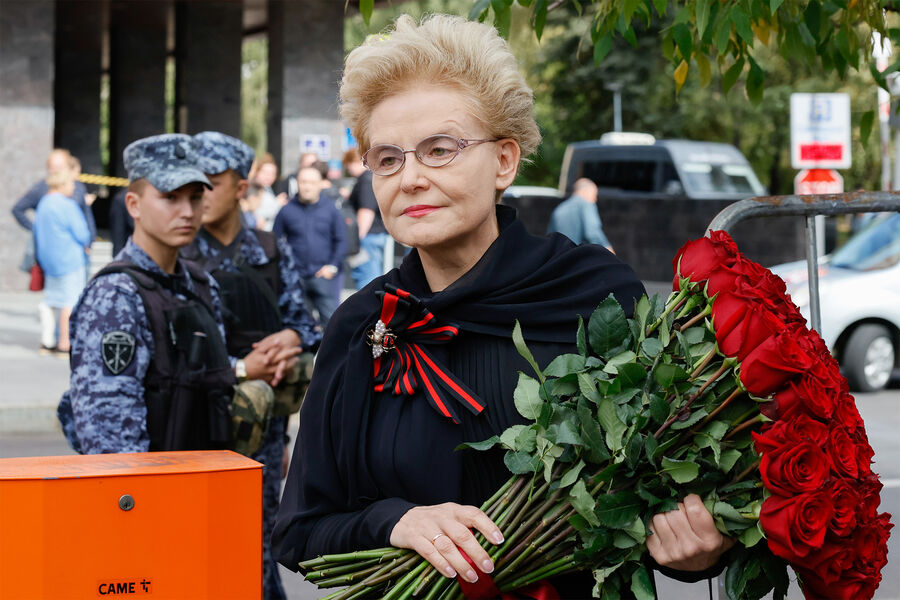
809 207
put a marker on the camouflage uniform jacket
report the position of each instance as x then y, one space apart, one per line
291 302
110 415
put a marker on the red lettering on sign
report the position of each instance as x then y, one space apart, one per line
821 151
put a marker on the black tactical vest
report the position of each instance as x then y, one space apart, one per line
249 296
189 383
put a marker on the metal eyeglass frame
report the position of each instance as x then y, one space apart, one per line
461 144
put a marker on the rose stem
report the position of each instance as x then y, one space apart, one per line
536 545
547 550
676 301
748 423
520 514
398 590
703 364
737 392
388 571
690 401
745 472
694 320
345 579
494 501
558 566
438 588
527 526
518 553
340 570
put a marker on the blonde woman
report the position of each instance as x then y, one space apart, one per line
444 119
62 237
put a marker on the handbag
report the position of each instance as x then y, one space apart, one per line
37 278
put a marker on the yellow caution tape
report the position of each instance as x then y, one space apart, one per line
103 180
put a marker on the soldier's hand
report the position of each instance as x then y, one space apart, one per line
259 367
276 346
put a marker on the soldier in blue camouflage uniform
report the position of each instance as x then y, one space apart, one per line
243 260
118 350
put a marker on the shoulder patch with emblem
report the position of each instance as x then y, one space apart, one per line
117 349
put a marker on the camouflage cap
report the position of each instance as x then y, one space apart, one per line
167 161
219 152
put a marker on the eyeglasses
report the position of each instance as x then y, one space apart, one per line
433 151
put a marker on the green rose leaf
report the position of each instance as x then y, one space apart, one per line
651 347
618 510
592 433
564 365
607 327
751 536
581 337
641 586
521 462
570 476
682 471
631 375
667 375
583 503
485 445
588 387
611 424
524 352
527 397
692 420
728 458
564 432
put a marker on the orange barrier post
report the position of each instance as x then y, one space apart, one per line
161 525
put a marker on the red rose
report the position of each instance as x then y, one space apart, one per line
843 452
846 413
800 467
846 502
870 544
851 586
864 452
773 363
698 258
869 489
796 525
741 325
806 396
827 564
776 437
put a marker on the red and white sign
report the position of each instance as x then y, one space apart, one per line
818 181
820 131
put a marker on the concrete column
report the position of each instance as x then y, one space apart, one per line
306 52
208 63
79 46
137 74
26 118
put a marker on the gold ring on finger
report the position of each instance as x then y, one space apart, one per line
434 539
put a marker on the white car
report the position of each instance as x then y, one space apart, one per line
859 292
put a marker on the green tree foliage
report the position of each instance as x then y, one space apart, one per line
255 92
572 103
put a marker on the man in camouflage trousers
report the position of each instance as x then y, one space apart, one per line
265 309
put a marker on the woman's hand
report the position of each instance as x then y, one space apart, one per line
686 539
436 533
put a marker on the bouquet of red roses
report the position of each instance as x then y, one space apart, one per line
820 511
721 391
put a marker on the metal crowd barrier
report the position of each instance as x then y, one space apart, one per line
809 207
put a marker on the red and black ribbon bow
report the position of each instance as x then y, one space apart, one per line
403 365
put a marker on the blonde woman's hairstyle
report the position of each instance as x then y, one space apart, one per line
441 50
59 178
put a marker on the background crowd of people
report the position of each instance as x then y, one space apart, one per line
333 226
